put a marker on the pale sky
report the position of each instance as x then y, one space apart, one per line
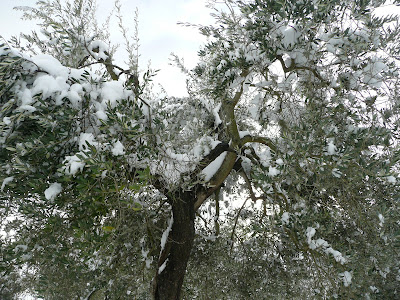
158 32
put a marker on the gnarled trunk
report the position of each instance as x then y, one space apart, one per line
174 257
168 282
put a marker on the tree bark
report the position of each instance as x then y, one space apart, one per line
167 283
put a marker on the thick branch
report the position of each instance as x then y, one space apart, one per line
257 139
214 153
232 132
217 180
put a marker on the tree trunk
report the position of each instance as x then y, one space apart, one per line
167 283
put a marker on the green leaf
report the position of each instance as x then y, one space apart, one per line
135 187
108 228
136 206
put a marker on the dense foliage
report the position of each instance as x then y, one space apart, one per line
286 153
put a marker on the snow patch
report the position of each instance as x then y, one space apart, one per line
111 92
162 267
273 171
99 50
73 164
346 278
209 171
49 64
52 191
19 248
285 218
48 85
7 120
217 119
391 179
101 115
242 134
85 139
5 182
290 36
166 233
310 232
118 149
323 245
331 148
381 219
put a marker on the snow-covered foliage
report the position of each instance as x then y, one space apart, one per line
291 126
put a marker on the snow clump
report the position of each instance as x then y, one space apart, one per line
52 191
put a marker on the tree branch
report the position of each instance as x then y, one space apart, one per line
257 139
293 67
238 94
236 221
250 187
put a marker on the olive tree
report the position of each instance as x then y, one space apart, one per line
276 177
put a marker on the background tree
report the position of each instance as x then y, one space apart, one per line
280 170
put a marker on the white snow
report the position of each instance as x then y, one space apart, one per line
320 243
101 49
166 233
7 120
391 179
118 149
22 248
48 85
52 191
331 148
6 181
346 277
29 108
162 267
381 220
310 232
374 289
50 65
372 72
285 218
75 94
290 36
203 146
336 254
242 134
73 164
334 45
113 91
213 167
323 245
101 115
273 171
265 156
25 96
217 119
87 138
